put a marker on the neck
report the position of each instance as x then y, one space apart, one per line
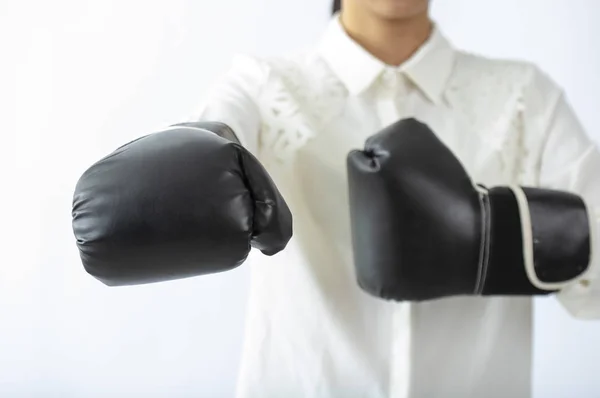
392 41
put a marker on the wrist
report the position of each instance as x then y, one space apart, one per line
539 241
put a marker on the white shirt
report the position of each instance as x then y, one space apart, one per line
311 332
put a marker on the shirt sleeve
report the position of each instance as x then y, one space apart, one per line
233 99
569 160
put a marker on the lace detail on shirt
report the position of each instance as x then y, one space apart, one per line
300 97
497 88
520 150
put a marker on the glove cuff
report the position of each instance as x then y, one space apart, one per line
539 241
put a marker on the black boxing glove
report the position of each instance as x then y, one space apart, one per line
422 230
182 202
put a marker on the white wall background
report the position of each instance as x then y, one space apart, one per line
80 77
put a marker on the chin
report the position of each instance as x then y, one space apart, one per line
399 9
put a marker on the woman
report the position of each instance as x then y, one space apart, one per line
311 331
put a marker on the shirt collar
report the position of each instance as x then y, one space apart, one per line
428 68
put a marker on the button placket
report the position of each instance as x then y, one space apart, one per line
401 94
400 365
390 100
391 96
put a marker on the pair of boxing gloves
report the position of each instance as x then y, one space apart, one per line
191 200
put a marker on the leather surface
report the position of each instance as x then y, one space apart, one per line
421 230
174 204
220 129
561 235
416 216
505 273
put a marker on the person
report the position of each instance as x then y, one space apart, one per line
311 331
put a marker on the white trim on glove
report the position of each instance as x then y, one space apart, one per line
527 237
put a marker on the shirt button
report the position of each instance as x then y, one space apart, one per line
584 283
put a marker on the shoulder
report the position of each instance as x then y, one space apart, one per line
482 70
472 62
502 74
496 85
292 68
296 97
300 81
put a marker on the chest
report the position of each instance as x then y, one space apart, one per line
309 131
310 125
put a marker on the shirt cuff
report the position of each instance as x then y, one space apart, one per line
581 298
